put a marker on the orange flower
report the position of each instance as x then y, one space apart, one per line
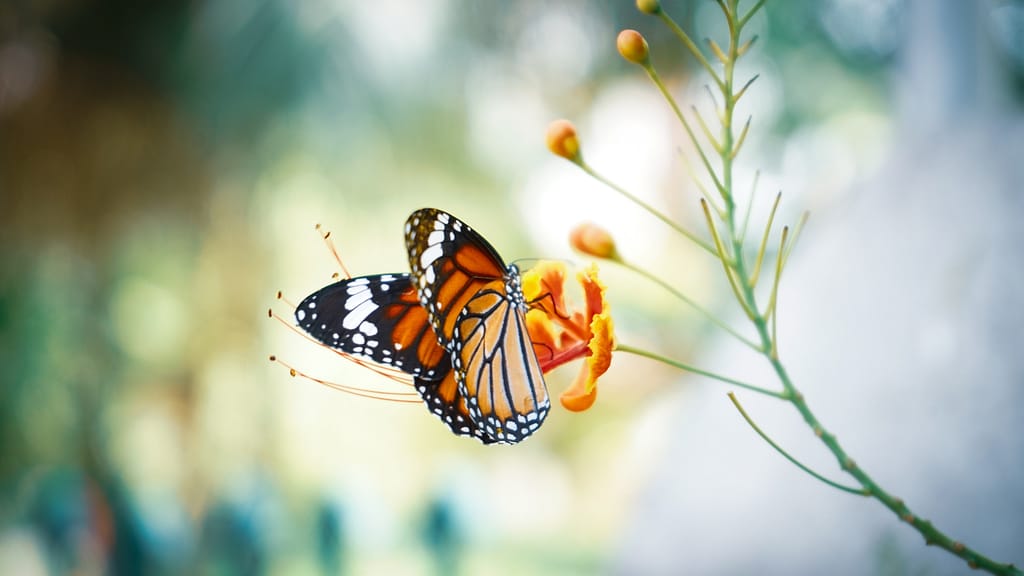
561 334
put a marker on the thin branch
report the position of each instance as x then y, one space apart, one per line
685 38
797 463
750 14
770 312
686 126
714 101
694 370
750 204
705 193
707 132
742 91
687 300
746 46
586 168
739 141
725 261
764 242
796 236
717 50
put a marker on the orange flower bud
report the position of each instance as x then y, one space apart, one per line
562 140
591 239
648 6
632 46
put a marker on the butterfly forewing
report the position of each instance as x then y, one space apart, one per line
476 306
450 264
379 318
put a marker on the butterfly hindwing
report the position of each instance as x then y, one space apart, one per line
379 318
444 401
385 308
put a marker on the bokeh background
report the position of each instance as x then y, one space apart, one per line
162 166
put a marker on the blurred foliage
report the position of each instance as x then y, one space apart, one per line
161 165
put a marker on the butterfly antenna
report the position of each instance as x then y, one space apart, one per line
401 397
326 235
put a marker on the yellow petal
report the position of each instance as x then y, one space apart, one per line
601 346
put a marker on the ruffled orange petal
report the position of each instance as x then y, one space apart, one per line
544 284
576 398
601 346
593 290
583 392
542 334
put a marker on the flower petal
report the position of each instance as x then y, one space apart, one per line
576 398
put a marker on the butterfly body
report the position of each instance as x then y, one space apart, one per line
457 324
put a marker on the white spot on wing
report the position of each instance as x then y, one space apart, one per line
429 255
357 298
356 317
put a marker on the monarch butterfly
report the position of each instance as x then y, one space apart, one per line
457 324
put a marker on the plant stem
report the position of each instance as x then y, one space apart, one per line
689 235
690 302
740 278
797 463
695 370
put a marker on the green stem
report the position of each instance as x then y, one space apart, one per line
737 274
685 38
800 465
686 299
653 74
764 241
932 535
694 370
689 235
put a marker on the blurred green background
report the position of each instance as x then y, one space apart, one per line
162 165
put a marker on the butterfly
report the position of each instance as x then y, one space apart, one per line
456 324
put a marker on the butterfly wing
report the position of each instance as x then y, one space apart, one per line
450 264
378 318
444 400
351 314
475 304
496 365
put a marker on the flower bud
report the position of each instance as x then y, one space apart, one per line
648 6
593 240
632 46
562 140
